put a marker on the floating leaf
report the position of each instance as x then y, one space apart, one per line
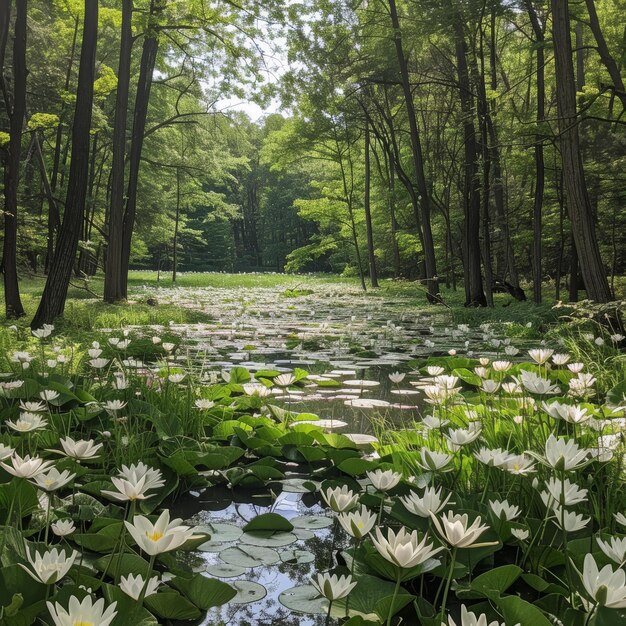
248 591
249 556
304 599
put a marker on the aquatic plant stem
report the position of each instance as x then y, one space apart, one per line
393 598
448 584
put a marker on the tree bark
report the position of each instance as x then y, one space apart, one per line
13 302
539 160
176 226
578 204
55 292
144 85
368 212
113 291
474 293
430 261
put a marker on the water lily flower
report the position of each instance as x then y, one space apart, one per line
85 613
404 549
536 384
99 363
606 587
461 437
384 480
48 567
137 471
396 377
80 449
113 406
490 386
5 451
63 527
340 499
333 587
564 492
162 536
168 346
204 404
564 454
127 490
284 380
520 533
43 332
519 465
432 421
53 479
433 461
430 502
33 407
435 370
560 358
615 549
582 385
94 353
511 388
501 366
620 518
471 619
575 368
503 510
26 467
133 585
48 395
357 523
493 458
176 379
540 355
27 422
569 521
256 389
456 530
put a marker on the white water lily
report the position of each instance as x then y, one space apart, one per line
33 407
113 406
333 587
176 379
5 451
80 449
462 437
133 585
396 377
606 587
430 502
434 461
136 471
162 536
568 520
204 404
99 363
256 389
284 380
435 370
564 492
490 386
53 479
456 530
50 566
471 619
536 384
493 458
564 455
615 549
519 465
504 511
560 358
501 366
26 467
27 422
340 499
620 518
540 355
127 490
357 523
404 549
520 533
85 613
384 480
63 527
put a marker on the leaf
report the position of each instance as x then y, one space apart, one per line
269 521
303 599
204 592
518 611
171 605
495 582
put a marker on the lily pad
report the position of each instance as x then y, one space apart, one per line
297 557
249 556
247 592
268 539
221 532
312 522
225 570
299 485
304 599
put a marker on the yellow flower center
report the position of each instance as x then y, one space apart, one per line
155 536
81 623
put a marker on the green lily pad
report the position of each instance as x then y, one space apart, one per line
268 539
312 522
304 599
249 556
299 485
248 592
297 557
302 534
221 532
225 570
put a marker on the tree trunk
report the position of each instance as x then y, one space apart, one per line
578 204
605 55
144 85
5 20
54 294
539 160
13 302
418 163
176 226
474 293
368 213
113 291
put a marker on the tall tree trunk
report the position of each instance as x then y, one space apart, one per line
392 216
5 20
368 212
144 85
430 261
539 160
605 56
13 302
113 291
176 226
54 294
474 293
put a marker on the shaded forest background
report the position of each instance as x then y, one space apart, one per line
433 140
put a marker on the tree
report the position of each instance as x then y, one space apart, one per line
577 197
55 291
